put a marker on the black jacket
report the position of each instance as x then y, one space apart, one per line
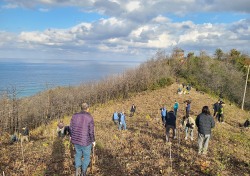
216 106
204 123
171 119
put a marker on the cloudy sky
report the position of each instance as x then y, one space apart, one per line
64 30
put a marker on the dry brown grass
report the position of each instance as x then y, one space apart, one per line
141 149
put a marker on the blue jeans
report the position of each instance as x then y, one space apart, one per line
122 124
82 151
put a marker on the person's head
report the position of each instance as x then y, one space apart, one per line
205 110
85 107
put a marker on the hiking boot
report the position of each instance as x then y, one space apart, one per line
78 172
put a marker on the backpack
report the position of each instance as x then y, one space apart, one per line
247 123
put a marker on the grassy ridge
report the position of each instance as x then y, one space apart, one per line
141 150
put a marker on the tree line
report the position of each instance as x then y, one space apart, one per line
222 76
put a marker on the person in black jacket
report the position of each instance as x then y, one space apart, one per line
170 120
216 107
132 110
205 123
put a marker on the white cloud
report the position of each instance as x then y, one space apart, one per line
133 5
133 28
6 38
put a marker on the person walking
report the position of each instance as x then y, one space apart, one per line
221 112
205 123
163 114
115 118
25 134
170 120
189 124
83 138
216 107
188 107
132 110
122 121
176 107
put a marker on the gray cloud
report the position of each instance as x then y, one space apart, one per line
146 9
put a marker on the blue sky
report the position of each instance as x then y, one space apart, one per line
54 30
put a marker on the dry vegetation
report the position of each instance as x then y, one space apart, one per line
141 149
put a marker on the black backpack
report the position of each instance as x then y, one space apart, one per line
247 123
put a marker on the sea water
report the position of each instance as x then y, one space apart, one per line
27 79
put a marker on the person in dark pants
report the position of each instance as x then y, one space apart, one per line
216 107
220 114
188 107
205 123
170 120
132 110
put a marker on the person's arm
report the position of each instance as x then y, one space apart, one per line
197 121
91 131
70 127
212 122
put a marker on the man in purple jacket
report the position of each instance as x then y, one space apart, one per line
83 138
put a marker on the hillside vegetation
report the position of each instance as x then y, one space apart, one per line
222 76
141 149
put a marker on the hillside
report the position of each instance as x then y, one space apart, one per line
141 149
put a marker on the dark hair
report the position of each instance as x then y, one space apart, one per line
205 110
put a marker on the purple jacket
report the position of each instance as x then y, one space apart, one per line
82 129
